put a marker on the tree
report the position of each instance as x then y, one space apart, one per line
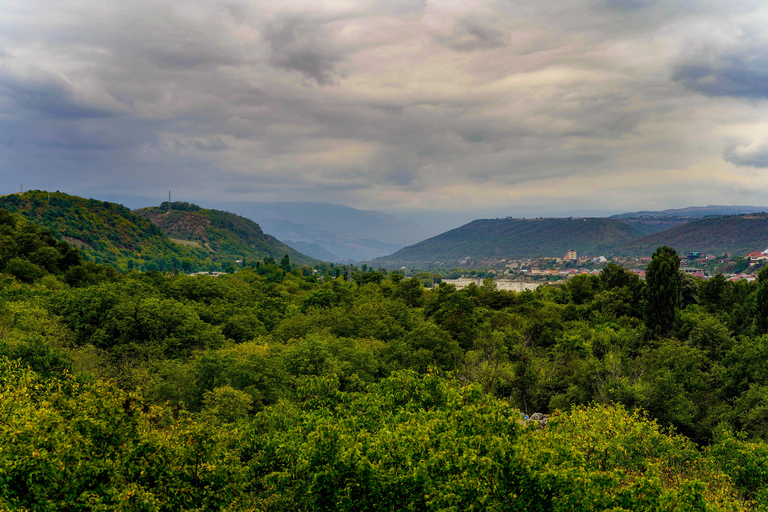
663 293
285 263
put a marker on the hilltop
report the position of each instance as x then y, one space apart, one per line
228 236
737 234
504 238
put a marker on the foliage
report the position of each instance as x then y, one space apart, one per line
268 389
663 292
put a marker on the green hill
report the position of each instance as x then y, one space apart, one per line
225 235
511 238
736 234
110 233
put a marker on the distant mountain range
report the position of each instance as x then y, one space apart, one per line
332 232
202 238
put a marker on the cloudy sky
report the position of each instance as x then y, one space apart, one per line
516 106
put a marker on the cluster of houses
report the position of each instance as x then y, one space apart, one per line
687 265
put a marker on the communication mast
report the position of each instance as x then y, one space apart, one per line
169 201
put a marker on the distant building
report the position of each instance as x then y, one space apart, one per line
693 271
570 254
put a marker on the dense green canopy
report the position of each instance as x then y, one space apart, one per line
271 389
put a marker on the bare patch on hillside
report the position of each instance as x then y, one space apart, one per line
76 242
189 243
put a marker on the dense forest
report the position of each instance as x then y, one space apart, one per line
279 388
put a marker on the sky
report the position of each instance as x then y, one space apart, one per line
516 107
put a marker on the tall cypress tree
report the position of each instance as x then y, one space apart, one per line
663 292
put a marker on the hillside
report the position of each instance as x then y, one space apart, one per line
227 236
111 234
736 234
510 238
105 232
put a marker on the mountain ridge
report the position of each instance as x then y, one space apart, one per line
504 238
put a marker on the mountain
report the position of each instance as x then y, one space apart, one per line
510 238
227 236
104 232
345 233
112 234
735 234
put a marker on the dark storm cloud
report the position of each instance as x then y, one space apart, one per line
303 45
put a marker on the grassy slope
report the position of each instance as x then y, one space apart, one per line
504 238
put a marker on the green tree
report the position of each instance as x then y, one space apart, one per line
663 292
285 263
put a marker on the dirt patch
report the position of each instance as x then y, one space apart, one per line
188 243
76 242
181 225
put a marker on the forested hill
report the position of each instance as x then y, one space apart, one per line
105 232
737 234
504 238
225 234
111 234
